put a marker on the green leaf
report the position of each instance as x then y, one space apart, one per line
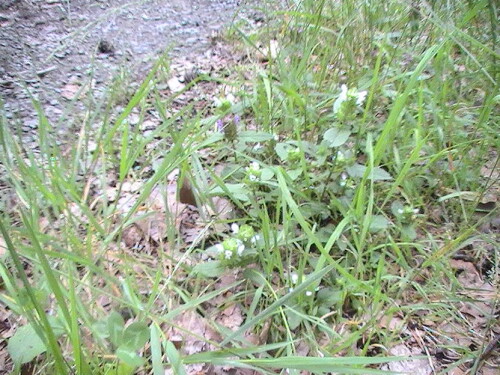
136 335
396 208
329 297
254 136
129 356
294 173
156 352
175 359
115 328
293 318
209 269
378 223
25 345
378 174
236 191
100 328
335 137
409 231
282 150
267 174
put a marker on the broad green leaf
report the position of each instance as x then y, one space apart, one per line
329 297
25 345
237 191
294 173
115 328
378 223
378 174
209 269
254 136
129 356
397 208
266 174
335 137
136 335
282 150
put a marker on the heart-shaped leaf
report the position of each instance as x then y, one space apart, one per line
335 137
136 335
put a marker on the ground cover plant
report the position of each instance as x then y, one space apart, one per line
325 203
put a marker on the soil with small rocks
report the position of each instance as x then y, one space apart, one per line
48 48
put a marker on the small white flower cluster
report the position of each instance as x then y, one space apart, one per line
230 247
347 95
233 248
253 172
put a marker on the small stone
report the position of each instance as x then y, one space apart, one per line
105 47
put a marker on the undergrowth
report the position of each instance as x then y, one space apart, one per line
357 151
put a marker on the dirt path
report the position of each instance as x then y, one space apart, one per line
45 45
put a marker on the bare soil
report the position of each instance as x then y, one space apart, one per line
46 45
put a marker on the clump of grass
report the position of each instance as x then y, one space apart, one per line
349 160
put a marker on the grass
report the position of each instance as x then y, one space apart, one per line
355 205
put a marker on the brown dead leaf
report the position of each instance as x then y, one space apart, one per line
469 277
391 323
487 370
193 333
133 236
411 366
231 317
126 202
457 371
153 226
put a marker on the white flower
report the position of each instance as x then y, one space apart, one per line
343 93
235 228
241 247
361 96
219 248
252 177
309 293
257 147
228 254
400 211
255 166
254 239
294 278
341 99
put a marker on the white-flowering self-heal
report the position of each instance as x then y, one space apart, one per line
253 171
341 99
348 95
361 96
235 228
343 92
254 239
241 247
219 248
